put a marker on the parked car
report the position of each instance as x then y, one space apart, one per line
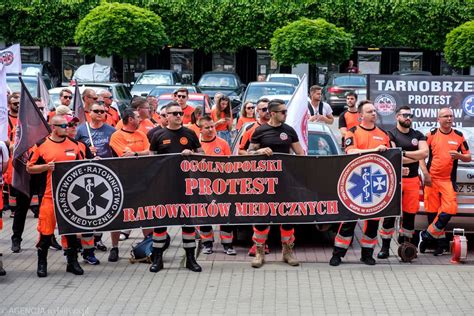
412 73
255 90
221 81
465 192
120 93
31 83
284 78
47 70
341 83
194 99
159 90
149 79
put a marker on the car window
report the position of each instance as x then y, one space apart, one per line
350 81
292 81
30 70
226 81
254 92
155 78
15 86
122 93
321 144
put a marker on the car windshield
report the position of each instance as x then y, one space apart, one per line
218 80
31 84
30 70
290 80
155 78
321 144
255 92
350 81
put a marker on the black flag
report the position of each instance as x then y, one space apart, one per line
31 128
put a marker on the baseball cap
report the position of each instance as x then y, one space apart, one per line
71 118
63 110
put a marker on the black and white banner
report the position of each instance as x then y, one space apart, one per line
425 95
126 193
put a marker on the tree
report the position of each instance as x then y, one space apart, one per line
459 46
120 29
311 41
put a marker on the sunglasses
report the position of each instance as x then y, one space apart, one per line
250 107
176 113
67 97
181 96
281 111
65 125
72 124
98 111
15 103
407 115
110 98
95 99
263 109
163 115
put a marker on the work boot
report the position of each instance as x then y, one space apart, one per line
42 270
366 256
288 254
385 251
157 257
2 271
114 254
259 259
253 250
16 245
441 247
425 238
335 260
54 244
191 263
72 264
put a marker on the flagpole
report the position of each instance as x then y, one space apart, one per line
89 132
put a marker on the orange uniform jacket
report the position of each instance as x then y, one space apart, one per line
188 110
134 141
216 147
362 138
145 126
440 164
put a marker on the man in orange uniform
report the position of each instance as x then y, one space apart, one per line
360 139
350 117
56 147
447 146
213 145
181 96
89 97
142 107
128 142
112 114
413 144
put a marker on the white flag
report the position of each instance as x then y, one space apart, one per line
10 57
298 112
3 104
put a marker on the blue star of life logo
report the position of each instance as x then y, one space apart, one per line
368 185
468 105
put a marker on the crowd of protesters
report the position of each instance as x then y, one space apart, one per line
145 129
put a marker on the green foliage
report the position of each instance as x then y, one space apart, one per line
311 41
223 25
42 23
121 29
459 49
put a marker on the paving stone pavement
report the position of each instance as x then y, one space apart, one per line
228 285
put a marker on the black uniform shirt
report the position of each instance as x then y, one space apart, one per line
167 141
279 139
408 142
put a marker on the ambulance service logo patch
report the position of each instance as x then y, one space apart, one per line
385 104
89 196
367 185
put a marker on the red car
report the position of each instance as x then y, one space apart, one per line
194 100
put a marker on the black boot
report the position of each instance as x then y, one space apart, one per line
16 245
441 247
337 254
157 257
366 256
191 263
385 251
42 271
54 244
72 264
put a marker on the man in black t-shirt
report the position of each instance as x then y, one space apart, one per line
276 136
415 148
174 138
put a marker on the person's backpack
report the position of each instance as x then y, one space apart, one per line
142 251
